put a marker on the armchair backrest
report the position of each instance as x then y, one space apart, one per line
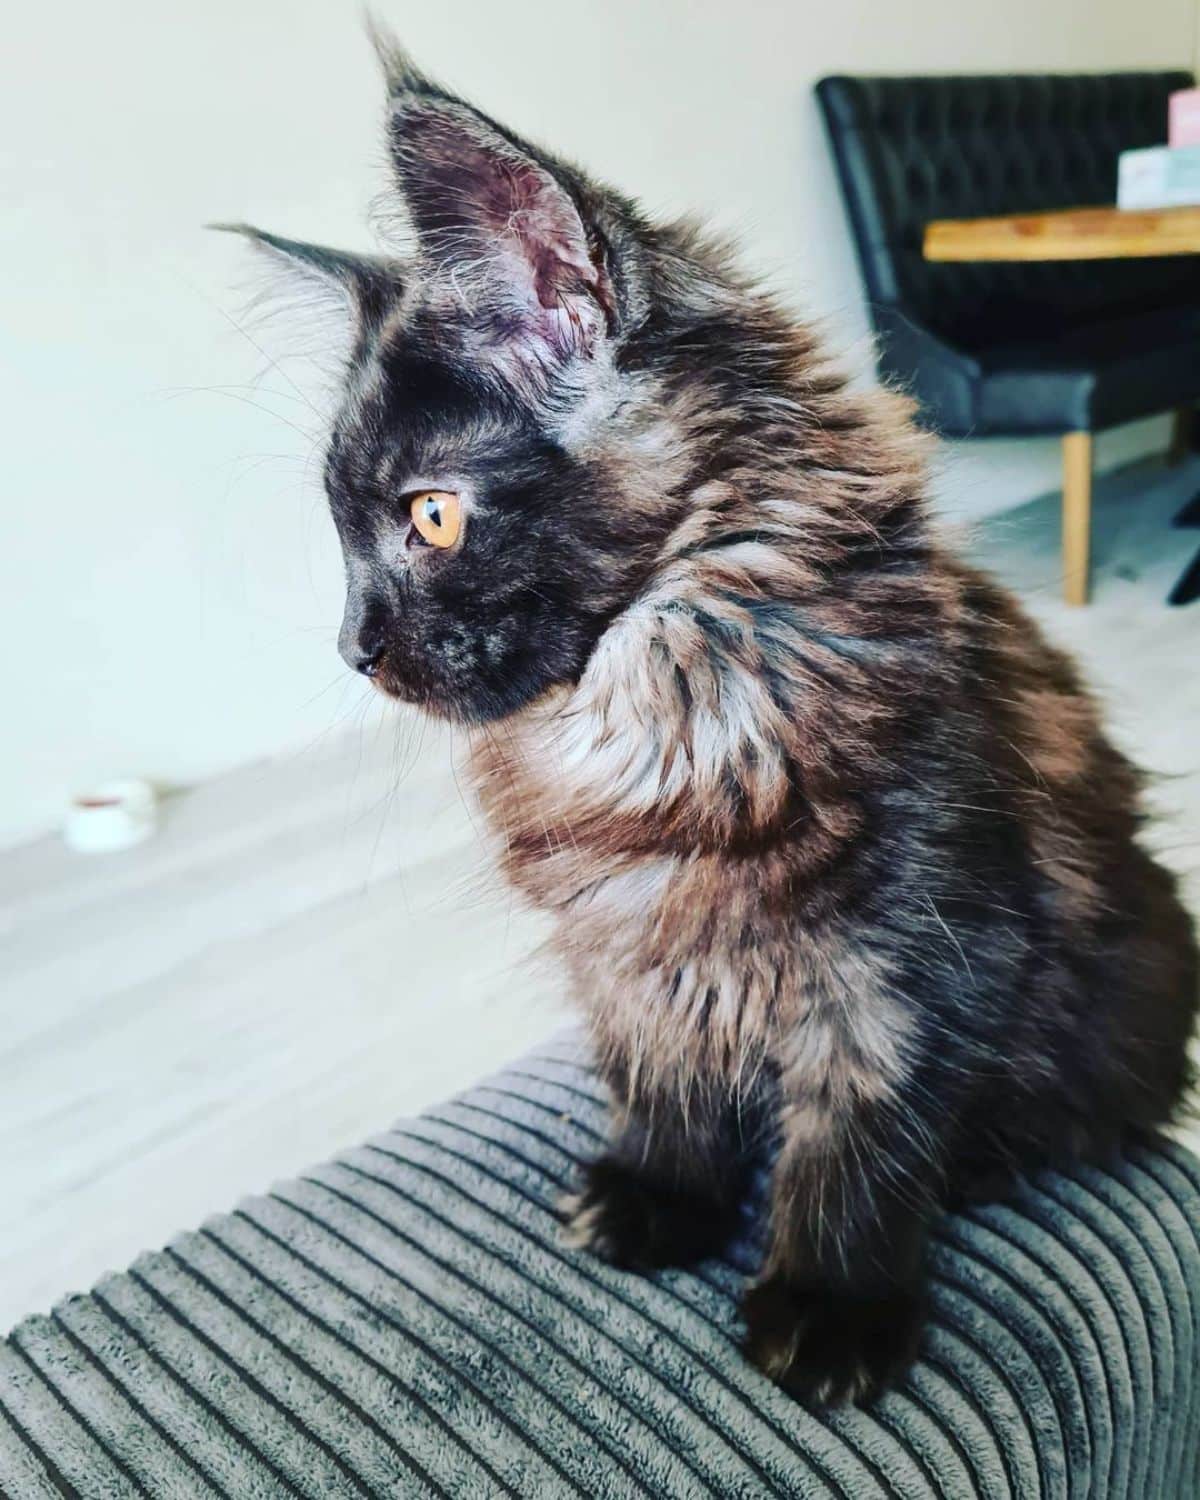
913 149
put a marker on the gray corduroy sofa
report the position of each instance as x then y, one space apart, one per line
405 1320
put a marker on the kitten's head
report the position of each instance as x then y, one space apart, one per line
501 465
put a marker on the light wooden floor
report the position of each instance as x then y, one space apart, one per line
308 950
314 946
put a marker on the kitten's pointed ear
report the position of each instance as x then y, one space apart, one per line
498 213
361 280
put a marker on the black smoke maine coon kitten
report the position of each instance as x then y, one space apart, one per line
841 862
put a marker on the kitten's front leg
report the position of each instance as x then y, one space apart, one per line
668 1189
837 1313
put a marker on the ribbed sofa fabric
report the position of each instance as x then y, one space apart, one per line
406 1320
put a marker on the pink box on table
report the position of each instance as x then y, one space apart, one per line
1183 118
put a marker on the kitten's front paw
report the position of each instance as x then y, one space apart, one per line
636 1223
826 1347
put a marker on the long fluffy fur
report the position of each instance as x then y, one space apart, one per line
841 863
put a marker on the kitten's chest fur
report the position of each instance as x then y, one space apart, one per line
693 965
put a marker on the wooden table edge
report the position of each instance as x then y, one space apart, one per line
1100 233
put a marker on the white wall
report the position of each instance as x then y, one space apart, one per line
169 585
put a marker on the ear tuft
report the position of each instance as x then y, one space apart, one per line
365 283
332 264
401 74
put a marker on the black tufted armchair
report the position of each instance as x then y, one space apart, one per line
1065 348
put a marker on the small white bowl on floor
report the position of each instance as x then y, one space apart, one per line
114 815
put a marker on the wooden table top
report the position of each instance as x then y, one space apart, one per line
1067 234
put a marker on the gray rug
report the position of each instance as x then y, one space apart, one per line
405 1321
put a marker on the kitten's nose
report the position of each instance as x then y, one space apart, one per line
368 663
362 636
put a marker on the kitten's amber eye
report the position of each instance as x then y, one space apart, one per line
437 515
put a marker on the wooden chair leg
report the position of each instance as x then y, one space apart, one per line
1183 429
1076 515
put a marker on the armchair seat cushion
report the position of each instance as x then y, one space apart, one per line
1087 378
406 1321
